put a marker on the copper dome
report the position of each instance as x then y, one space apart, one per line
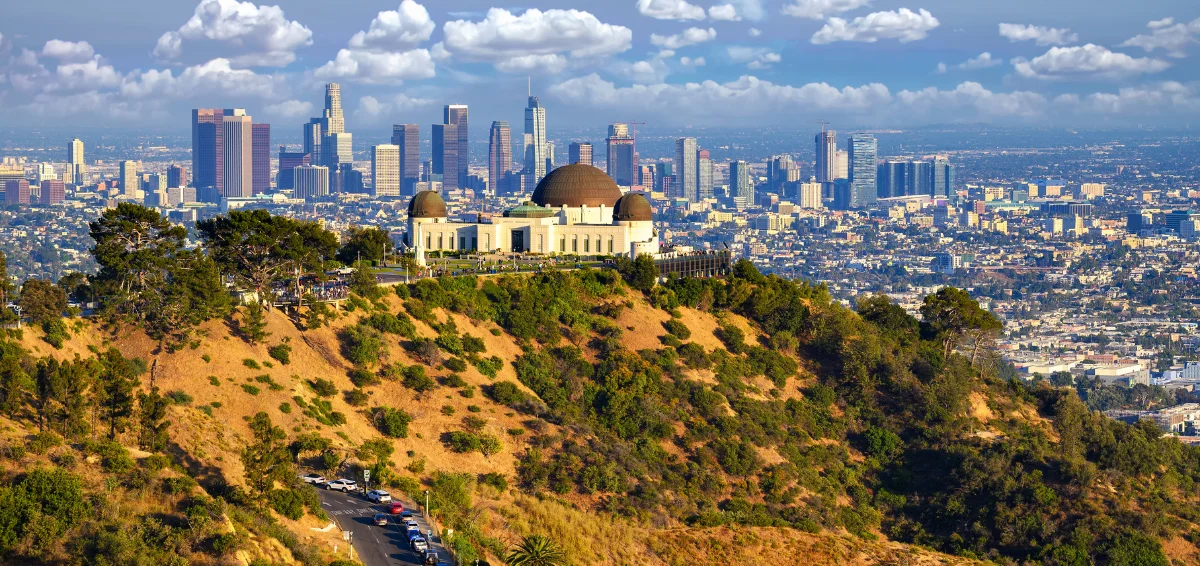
577 185
427 204
633 207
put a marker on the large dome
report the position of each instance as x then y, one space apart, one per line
633 207
427 204
577 185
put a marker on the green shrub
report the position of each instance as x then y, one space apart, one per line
473 345
250 389
212 379
323 387
285 408
447 410
180 397
453 380
474 408
416 379
356 398
363 345
391 422
207 358
494 479
281 352
678 329
488 366
455 365
506 393
363 378
251 364
287 502
43 441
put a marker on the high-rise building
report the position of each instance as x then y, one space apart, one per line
312 181
782 170
739 180
445 154
499 155
622 157
260 155
385 170
208 150
810 194
131 183
313 136
685 168
176 176
535 142
580 152
338 149
457 114
826 164
920 178
53 192
238 139
335 123
943 178
892 178
408 138
76 166
16 191
288 161
842 161
704 174
864 150
550 162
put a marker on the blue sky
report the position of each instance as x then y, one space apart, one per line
861 63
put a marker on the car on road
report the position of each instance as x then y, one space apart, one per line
405 514
379 496
412 524
313 478
343 485
397 508
431 558
381 519
419 544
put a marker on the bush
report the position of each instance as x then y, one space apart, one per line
363 378
506 393
323 387
285 408
400 325
180 397
488 366
447 410
356 398
281 352
461 441
250 389
226 543
494 479
455 365
363 345
391 422
678 329
287 502
43 441
55 332
473 345
251 364
416 379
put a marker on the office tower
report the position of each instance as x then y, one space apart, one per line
76 166
260 158
580 152
810 194
208 150
668 185
312 181
781 170
739 180
499 154
645 176
943 179
176 176
348 179
842 160
53 192
385 170
704 174
863 152
457 114
408 138
238 139
445 155
130 182
288 161
44 171
622 157
16 191
892 178
826 164
535 142
920 178
685 168
550 162
313 135
1091 190
334 121
338 149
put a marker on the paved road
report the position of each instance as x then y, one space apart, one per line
376 546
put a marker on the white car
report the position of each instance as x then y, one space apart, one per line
343 485
419 544
379 496
412 525
313 478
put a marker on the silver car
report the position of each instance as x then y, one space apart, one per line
379 496
343 485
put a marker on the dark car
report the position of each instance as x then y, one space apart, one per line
381 519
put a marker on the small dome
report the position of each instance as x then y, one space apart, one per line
427 204
633 207
577 185
529 210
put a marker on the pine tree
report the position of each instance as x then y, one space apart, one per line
152 421
115 390
267 460
254 323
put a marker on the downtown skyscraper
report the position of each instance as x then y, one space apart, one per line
704 174
238 145
825 168
261 158
76 167
408 138
208 151
445 155
864 152
385 170
499 154
686 169
579 152
739 181
457 114
622 156
535 142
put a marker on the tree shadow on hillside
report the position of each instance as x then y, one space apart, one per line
209 477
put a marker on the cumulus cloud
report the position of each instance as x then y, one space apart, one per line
690 62
550 63
291 109
215 76
371 107
755 32
379 66
903 24
1167 98
1167 35
819 9
86 75
736 10
941 68
1087 61
670 10
510 41
753 57
982 61
642 72
690 36
262 34
972 96
401 29
68 51
1038 34
724 12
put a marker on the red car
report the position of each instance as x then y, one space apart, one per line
396 508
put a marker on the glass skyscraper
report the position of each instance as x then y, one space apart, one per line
864 150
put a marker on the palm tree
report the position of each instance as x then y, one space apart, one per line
536 550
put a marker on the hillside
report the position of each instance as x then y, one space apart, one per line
697 422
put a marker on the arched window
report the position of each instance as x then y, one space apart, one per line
441 241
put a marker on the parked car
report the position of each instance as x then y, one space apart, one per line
381 519
397 508
313 478
419 544
343 485
379 496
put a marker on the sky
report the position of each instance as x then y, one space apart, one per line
674 63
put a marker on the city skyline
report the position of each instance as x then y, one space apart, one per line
858 64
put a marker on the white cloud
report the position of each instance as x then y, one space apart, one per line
262 34
291 109
371 107
88 75
1167 98
903 24
670 10
665 53
1167 35
642 72
1087 61
510 42
753 57
690 36
737 10
690 62
972 96
1038 34
439 52
396 29
379 66
68 51
724 12
755 32
215 76
941 68
982 61
550 63
819 9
